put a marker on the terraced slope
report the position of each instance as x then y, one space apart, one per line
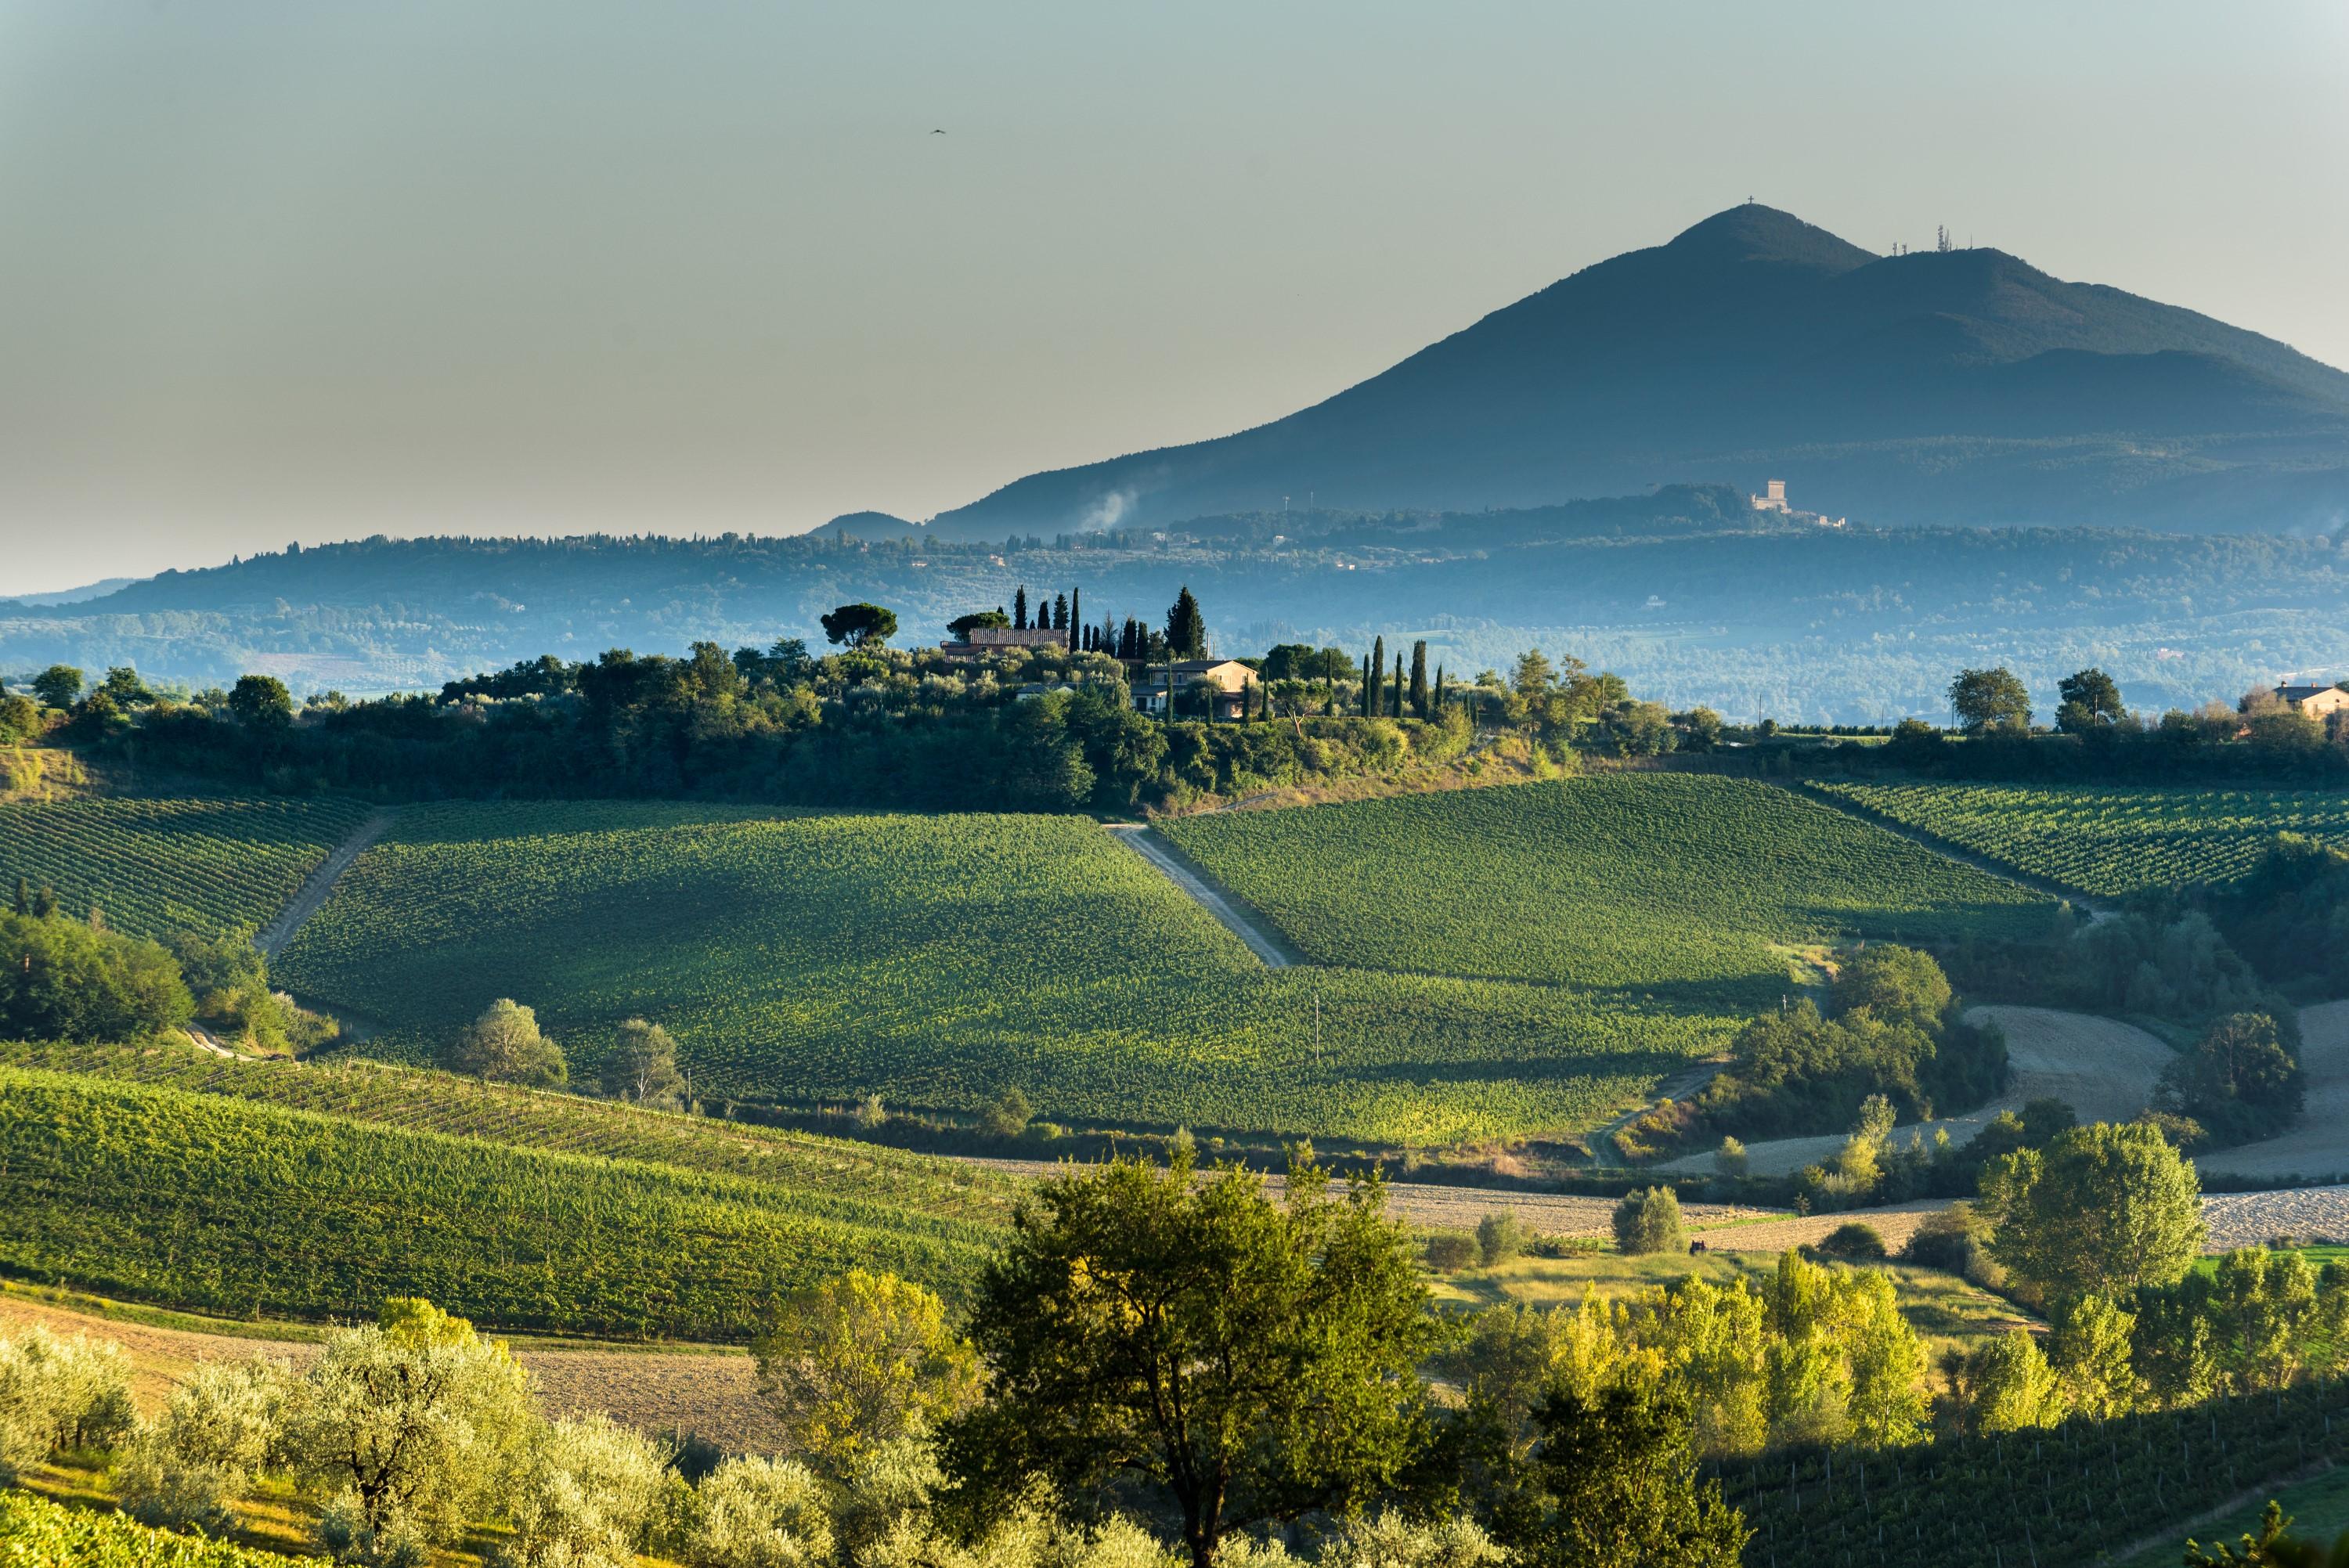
1682 887
937 961
234 1208
2109 840
157 865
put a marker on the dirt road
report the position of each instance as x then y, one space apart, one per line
1260 938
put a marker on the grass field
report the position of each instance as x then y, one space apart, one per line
231 1207
159 865
939 959
1685 889
2110 841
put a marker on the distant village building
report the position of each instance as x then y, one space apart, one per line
2315 701
1774 499
1230 678
985 640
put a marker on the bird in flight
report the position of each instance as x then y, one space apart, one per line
935 131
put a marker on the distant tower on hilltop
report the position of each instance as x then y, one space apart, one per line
1775 500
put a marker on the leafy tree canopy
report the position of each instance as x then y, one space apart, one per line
860 625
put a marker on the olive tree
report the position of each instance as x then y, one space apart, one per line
504 1045
407 1428
214 1435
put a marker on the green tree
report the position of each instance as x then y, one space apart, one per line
1899 985
1618 1468
1420 704
963 626
59 686
1990 699
2240 1082
123 684
260 701
1375 693
1649 1221
504 1046
63 980
860 625
407 1429
2099 1211
2087 701
642 1065
1533 674
2274 1547
863 1360
1252 1359
2005 1385
2089 1351
1186 628
1007 1114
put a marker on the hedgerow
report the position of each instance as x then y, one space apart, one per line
37 1534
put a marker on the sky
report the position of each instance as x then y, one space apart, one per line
290 270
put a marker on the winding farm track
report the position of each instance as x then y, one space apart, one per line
1260 937
311 896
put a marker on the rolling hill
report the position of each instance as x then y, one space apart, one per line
1960 387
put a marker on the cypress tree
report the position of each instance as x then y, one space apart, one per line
1419 679
1439 688
1395 696
1076 615
45 902
1019 609
1378 677
1186 627
1059 613
24 896
1366 685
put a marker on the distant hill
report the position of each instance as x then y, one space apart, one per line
1962 387
869 526
1687 592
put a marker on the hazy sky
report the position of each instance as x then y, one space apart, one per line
313 270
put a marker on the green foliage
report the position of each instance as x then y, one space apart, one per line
939 961
62 980
158 866
261 702
861 1361
1251 1360
590 1495
230 1207
59 1394
860 625
1500 1236
59 686
1620 1472
2273 1547
1683 885
2100 1210
2005 1385
1650 1222
2239 1082
504 1045
642 1065
37 1532
216 1433
1858 1242
2110 841
1990 699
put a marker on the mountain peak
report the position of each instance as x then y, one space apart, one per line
1753 232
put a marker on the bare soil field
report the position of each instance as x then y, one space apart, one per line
2317 1148
2102 1069
664 1392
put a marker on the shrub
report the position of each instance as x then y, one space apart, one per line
591 1495
1007 1116
1449 1252
1649 1221
59 1394
1950 1239
201 1453
757 1513
1730 1159
1500 1236
1853 1241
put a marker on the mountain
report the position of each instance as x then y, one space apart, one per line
1959 386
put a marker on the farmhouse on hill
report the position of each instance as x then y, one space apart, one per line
981 640
1230 678
2315 701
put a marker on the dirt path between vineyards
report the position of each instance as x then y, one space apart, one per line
1250 927
311 896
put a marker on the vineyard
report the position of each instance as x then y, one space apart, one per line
2061 1495
937 961
37 1534
154 866
240 1209
2108 841
561 1123
1682 886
